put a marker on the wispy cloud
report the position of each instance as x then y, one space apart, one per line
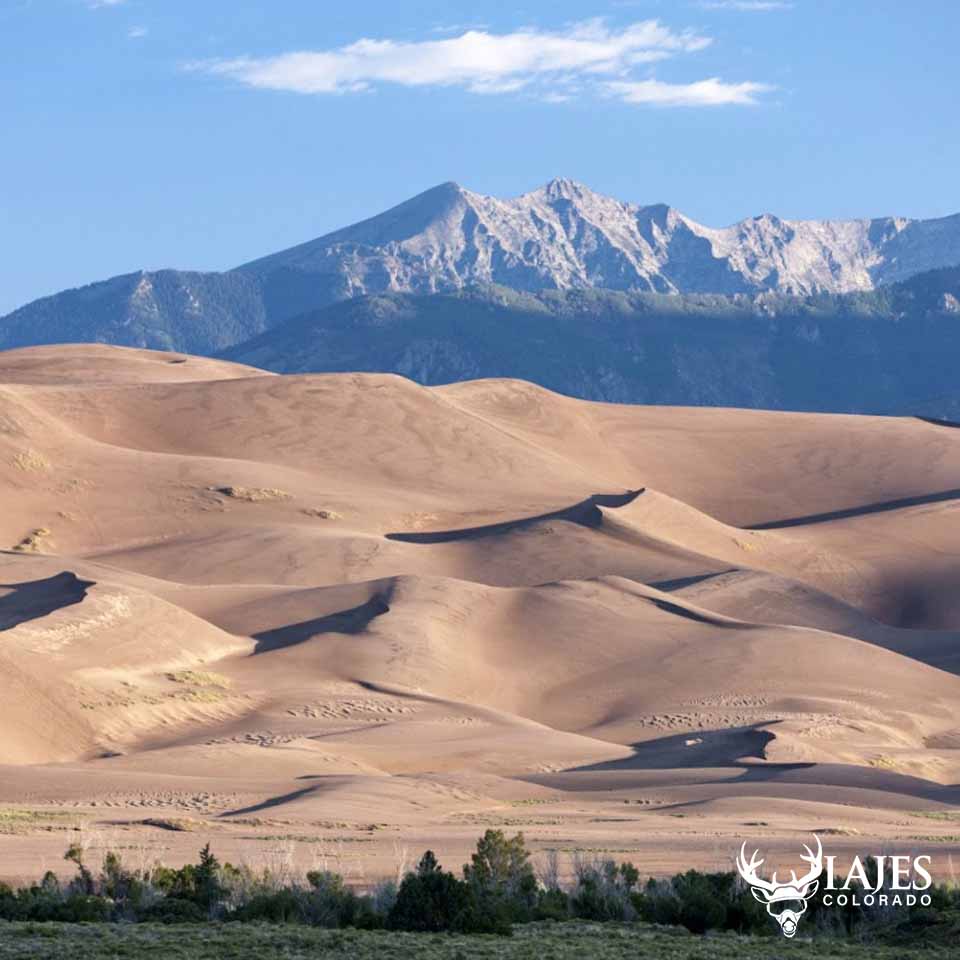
701 93
457 27
99 4
136 33
748 6
585 57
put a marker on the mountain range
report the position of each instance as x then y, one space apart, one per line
587 294
892 350
565 235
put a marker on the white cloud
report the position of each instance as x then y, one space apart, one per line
135 33
98 4
478 60
701 93
745 5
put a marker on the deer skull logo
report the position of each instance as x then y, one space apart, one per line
785 902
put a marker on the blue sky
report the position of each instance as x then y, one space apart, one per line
153 133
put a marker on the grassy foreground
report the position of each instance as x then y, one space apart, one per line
536 941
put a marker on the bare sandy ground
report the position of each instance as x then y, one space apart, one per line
339 619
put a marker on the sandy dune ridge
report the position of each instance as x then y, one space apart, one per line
356 616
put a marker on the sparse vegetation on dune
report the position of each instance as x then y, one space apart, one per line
199 678
34 542
322 514
19 820
31 461
175 824
253 494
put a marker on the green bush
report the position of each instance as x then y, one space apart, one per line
498 890
172 910
603 891
702 902
280 906
85 908
502 883
430 900
702 906
552 904
200 883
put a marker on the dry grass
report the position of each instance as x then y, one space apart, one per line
199 695
253 494
322 514
199 678
18 821
176 824
34 542
30 461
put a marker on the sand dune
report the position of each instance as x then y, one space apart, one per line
90 363
305 605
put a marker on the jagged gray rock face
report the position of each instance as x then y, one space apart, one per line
565 235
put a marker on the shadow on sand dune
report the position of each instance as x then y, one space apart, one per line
883 506
669 586
698 616
938 422
38 598
725 747
269 803
586 513
354 620
739 748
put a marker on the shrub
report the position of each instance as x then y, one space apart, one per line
702 904
429 900
280 906
330 902
9 903
84 882
501 880
362 913
498 889
383 898
130 892
84 908
658 903
603 890
208 889
200 883
172 910
552 904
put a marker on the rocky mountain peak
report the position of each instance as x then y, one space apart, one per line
563 188
562 236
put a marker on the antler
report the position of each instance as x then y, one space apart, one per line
749 870
816 864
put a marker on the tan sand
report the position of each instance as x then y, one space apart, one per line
343 618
